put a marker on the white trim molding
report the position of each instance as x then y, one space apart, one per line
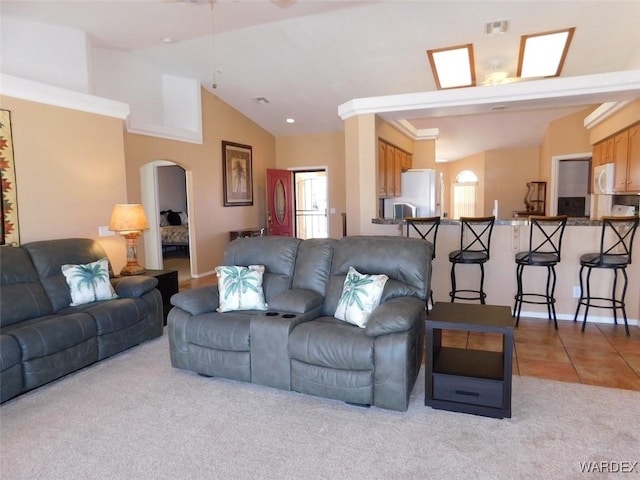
603 112
416 133
561 91
49 95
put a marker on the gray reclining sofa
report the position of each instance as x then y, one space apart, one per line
297 343
42 337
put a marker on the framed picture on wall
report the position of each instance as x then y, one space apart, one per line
237 174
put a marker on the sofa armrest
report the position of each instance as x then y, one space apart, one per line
395 315
197 301
296 301
133 286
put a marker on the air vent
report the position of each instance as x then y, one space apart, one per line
496 28
261 100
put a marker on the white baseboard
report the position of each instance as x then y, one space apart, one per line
569 317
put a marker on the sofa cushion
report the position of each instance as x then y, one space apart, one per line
21 294
313 265
240 288
391 256
277 254
89 283
361 293
49 255
44 336
331 343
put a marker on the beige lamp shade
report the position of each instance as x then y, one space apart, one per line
128 217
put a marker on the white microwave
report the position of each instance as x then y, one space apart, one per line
603 178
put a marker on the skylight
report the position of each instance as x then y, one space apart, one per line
453 66
543 54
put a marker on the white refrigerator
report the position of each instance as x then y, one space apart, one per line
421 188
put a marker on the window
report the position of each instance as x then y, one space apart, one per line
464 194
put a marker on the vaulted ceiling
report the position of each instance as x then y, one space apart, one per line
312 56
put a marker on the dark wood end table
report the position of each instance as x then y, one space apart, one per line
168 286
466 380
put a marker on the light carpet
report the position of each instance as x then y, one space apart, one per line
135 417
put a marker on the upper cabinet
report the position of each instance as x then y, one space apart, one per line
633 160
603 152
620 154
623 149
391 162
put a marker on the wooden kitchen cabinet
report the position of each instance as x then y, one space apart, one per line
623 150
391 162
603 152
633 159
382 170
620 153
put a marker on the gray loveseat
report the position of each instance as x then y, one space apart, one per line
42 337
297 343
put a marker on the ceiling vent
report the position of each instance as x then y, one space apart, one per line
260 100
496 28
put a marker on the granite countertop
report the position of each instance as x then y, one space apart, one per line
571 222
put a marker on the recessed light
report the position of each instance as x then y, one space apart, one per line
290 120
168 40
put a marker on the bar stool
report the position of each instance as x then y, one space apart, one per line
616 243
545 243
427 229
475 242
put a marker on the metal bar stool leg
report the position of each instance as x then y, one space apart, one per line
517 307
588 299
624 309
575 317
551 296
482 294
452 294
613 296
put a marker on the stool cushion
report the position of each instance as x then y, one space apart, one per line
460 256
537 258
608 261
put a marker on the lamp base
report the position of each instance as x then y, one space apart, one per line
132 267
132 270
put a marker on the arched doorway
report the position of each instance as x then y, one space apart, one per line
150 200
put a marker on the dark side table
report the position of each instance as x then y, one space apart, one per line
466 380
168 286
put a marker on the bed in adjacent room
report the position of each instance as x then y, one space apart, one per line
174 231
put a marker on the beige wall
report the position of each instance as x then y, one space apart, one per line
564 136
322 150
209 220
70 171
506 173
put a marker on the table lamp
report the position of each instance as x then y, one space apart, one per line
129 220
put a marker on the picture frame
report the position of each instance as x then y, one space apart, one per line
237 174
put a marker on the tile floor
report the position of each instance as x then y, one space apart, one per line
602 355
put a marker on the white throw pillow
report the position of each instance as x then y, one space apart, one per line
240 288
89 283
360 295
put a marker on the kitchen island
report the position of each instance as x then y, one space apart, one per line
511 235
